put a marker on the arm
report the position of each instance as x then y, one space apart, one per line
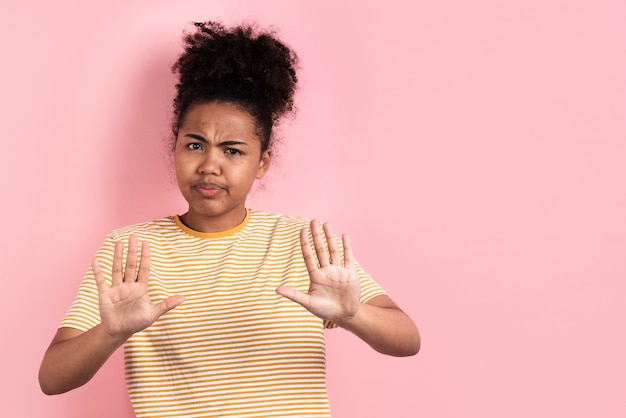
385 327
334 295
74 357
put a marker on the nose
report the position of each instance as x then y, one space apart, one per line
210 164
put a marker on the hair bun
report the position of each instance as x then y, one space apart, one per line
242 64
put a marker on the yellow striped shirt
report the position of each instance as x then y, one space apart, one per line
234 348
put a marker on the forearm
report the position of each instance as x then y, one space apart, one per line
387 329
74 357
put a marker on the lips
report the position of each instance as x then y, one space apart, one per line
209 189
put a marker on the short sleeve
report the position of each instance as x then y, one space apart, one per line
84 313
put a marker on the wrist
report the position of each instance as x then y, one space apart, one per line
112 339
350 320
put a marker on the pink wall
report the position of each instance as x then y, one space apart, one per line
475 151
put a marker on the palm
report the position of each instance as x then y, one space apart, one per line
125 306
126 309
333 292
334 289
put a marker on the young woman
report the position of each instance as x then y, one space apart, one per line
221 310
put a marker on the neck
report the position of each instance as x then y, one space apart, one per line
212 224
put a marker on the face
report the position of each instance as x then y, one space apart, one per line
217 159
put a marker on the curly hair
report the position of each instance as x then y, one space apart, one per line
242 65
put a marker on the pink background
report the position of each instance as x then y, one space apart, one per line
475 151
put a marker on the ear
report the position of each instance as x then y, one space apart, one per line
264 164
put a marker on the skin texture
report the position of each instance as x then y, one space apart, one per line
217 158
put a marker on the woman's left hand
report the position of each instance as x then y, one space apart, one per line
334 290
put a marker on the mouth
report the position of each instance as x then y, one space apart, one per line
208 189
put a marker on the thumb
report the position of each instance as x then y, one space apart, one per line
167 305
295 295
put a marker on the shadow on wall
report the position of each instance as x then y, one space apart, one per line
142 180
135 184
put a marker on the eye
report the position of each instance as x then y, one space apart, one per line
233 151
194 146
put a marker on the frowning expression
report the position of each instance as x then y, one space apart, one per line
217 159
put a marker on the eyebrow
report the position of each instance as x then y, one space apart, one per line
223 143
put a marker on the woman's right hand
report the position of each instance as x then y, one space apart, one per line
125 306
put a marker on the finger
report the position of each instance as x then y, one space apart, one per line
144 264
303 299
130 272
166 305
307 252
319 244
97 273
348 257
333 248
116 270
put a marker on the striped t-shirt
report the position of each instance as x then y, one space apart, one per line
234 348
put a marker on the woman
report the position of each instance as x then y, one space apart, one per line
243 296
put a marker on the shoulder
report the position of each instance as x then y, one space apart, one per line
146 230
277 221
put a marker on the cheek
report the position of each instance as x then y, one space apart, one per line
181 161
181 168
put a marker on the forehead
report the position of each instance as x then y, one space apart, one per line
217 117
